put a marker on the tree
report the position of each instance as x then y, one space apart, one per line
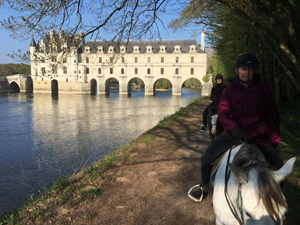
123 19
265 26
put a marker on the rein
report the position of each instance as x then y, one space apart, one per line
229 202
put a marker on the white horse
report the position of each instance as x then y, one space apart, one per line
247 191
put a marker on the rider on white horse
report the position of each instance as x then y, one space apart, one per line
247 111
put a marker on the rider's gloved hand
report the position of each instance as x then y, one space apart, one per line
275 146
238 134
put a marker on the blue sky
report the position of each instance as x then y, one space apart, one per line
10 45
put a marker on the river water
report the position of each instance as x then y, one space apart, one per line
43 137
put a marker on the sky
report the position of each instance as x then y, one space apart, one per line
10 45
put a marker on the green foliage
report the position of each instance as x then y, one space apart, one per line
89 194
61 183
192 83
10 69
205 78
163 84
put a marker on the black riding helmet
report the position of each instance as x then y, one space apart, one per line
219 76
247 60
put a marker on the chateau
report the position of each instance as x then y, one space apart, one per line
62 66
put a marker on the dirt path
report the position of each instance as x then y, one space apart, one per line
152 188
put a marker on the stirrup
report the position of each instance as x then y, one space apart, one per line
194 198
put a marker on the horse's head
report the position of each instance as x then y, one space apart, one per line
260 197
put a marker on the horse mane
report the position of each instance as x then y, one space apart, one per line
269 190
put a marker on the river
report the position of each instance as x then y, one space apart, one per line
43 137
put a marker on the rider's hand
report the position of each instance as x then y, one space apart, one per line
237 133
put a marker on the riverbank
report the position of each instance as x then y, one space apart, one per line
145 182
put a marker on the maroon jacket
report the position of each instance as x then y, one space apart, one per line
253 109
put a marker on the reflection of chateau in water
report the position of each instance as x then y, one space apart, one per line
60 66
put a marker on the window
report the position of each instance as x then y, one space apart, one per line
111 70
162 59
43 70
64 60
148 71
100 50
87 70
192 71
74 60
136 71
99 70
177 60
67 80
111 59
136 59
192 59
162 70
122 70
176 71
87 60
65 70
100 59
123 60
149 59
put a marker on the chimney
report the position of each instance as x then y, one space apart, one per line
202 40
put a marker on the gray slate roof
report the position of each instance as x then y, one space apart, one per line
169 44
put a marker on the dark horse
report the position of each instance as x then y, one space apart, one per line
214 127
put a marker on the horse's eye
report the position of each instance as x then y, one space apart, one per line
249 215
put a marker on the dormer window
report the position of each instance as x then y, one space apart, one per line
177 48
192 48
87 49
162 49
100 49
111 49
136 49
122 49
149 49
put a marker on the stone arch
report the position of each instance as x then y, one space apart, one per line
13 87
165 85
191 82
54 86
29 85
93 86
111 83
136 80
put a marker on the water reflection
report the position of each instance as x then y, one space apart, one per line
45 136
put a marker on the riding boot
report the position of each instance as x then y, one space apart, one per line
200 191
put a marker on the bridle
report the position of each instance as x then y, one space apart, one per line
239 199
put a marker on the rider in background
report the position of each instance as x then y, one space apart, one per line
247 112
215 96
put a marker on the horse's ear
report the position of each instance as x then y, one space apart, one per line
285 170
240 175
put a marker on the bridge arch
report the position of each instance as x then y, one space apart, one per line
162 84
93 86
54 86
191 82
111 83
14 87
139 83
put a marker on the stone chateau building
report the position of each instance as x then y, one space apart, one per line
58 66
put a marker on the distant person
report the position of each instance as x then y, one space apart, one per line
247 112
215 96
